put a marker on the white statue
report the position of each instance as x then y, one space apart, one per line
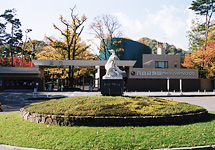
112 71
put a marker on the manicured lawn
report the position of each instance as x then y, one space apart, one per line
112 106
16 131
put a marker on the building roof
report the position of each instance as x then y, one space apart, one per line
19 70
79 63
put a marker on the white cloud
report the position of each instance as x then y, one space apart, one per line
133 25
168 24
190 16
167 20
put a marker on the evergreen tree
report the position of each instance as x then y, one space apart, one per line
10 41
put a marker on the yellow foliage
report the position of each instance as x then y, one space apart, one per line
144 106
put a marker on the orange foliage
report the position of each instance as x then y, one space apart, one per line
188 62
202 58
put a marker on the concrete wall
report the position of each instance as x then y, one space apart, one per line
208 84
149 60
161 84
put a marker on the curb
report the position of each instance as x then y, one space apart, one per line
208 147
63 120
8 147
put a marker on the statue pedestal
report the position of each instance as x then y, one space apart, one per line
112 87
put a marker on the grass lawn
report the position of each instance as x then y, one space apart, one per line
112 106
16 131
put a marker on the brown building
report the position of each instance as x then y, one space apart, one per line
20 78
157 69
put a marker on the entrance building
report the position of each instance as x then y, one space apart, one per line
158 73
160 70
20 78
97 64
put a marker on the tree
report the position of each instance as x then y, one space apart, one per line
6 62
71 34
56 50
196 35
32 48
105 28
14 38
154 44
196 60
206 8
23 47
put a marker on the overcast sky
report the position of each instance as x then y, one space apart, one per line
162 20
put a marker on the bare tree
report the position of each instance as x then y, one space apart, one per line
105 28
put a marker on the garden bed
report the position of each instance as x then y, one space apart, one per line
113 111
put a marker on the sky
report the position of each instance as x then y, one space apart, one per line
162 20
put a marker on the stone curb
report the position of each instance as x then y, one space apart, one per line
8 147
112 120
207 147
212 147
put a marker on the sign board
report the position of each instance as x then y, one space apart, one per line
163 73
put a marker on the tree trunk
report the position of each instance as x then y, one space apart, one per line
11 46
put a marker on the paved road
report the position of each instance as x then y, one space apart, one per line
13 101
208 102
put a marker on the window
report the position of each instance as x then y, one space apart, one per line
161 64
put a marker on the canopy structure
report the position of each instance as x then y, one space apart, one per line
79 63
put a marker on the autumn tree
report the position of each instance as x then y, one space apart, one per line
56 50
202 58
6 62
105 28
71 35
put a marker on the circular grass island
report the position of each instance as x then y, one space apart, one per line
113 111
